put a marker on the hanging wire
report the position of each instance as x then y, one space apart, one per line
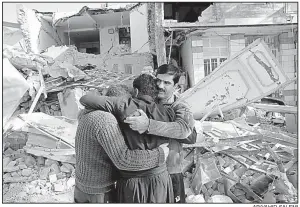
69 32
170 48
228 39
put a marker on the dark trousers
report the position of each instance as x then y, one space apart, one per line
146 189
178 187
81 197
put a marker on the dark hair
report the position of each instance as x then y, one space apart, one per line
146 85
118 90
170 70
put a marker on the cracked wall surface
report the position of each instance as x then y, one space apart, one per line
139 31
38 33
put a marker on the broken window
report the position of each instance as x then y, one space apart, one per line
206 67
222 60
214 63
128 68
124 35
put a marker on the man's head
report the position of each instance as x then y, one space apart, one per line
118 90
146 85
167 77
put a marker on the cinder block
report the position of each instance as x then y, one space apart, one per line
291 46
237 37
197 49
291 86
288 68
291 74
291 103
284 46
283 35
197 61
206 42
289 98
211 52
289 52
224 51
284 58
219 42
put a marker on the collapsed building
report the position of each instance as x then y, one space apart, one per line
245 154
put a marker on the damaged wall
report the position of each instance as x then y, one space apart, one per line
138 27
130 64
38 33
110 42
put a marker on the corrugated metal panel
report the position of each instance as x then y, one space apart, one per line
248 76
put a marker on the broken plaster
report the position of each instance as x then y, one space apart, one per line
265 66
48 33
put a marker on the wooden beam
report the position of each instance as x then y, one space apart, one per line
276 108
159 35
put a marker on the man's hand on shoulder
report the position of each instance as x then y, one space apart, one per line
138 123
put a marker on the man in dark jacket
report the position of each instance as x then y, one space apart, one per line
150 186
167 82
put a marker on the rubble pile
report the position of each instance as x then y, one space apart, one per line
40 176
242 163
243 155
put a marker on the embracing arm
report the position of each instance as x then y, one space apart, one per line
112 141
181 128
103 103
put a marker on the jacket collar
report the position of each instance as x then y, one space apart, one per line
145 98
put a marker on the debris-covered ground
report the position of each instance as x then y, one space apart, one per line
245 155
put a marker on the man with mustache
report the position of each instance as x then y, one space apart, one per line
100 147
167 82
150 186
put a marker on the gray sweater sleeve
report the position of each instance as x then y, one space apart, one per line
181 128
111 139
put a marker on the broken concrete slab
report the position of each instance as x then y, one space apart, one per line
52 126
59 187
38 33
14 87
6 161
44 172
69 102
70 182
11 169
67 168
50 162
30 161
66 70
55 168
52 178
40 161
229 85
26 172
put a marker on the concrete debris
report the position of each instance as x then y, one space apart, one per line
241 146
71 182
52 178
195 199
220 199
30 161
69 102
59 187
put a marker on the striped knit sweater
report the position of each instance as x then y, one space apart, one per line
100 148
